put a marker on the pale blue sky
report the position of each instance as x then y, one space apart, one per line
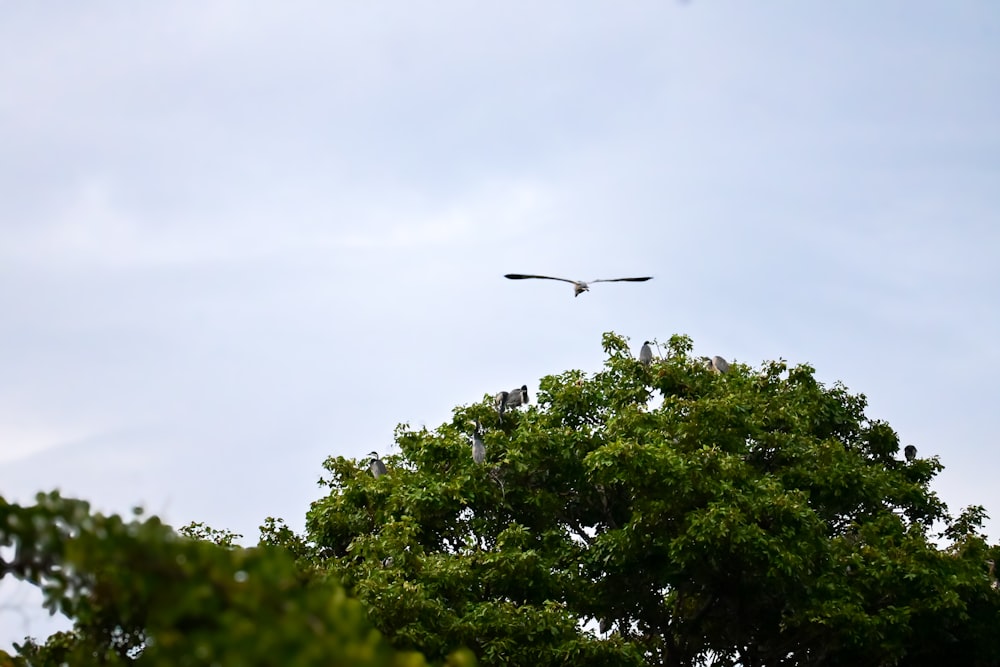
237 240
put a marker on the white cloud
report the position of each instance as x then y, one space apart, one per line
25 434
493 210
94 228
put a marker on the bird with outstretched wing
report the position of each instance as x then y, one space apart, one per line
579 286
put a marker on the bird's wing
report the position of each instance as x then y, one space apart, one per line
619 280
522 276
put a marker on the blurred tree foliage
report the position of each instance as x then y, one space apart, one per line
140 594
666 515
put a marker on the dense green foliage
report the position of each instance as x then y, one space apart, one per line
642 515
141 594
663 515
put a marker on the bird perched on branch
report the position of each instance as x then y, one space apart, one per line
579 286
376 466
910 452
500 401
478 446
645 354
517 397
717 364
511 399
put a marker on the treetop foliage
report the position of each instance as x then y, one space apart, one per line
662 515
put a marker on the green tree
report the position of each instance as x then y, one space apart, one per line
141 594
662 515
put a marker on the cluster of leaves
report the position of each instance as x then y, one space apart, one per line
141 594
662 515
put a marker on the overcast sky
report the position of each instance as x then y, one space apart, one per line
239 239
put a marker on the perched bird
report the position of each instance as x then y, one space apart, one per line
910 452
501 403
376 466
579 286
645 354
511 399
718 364
517 397
478 446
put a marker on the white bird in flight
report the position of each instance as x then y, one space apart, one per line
579 286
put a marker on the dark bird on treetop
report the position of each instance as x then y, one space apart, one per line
478 447
579 286
517 397
645 354
501 403
718 364
376 465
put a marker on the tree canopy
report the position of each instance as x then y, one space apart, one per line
664 515
140 593
646 514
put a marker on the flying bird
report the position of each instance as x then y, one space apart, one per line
645 354
910 452
579 286
376 466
